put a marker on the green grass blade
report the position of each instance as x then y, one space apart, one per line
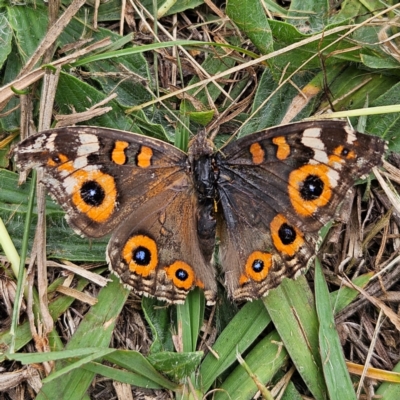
337 376
123 376
135 362
95 330
264 361
24 252
292 310
240 333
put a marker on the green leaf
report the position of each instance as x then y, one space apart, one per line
95 330
240 333
267 357
291 393
308 15
73 93
386 126
343 297
159 319
249 16
389 391
177 366
135 362
20 18
6 38
120 375
292 309
336 374
190 318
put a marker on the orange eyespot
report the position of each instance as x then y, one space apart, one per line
344 152
182 275
144 157
310 188
140 254
257 267
283 150
118 153
257 153
287 239
94 194
57 160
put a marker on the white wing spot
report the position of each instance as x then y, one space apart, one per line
351 135
311 139
89 144
333 177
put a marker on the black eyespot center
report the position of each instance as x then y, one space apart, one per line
142 256
258 265
287 234
312 188
92 193
181 274
345 152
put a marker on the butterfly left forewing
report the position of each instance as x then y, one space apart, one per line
277 188
100 176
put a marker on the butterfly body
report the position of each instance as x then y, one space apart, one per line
263 197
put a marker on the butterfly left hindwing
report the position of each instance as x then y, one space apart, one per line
268 194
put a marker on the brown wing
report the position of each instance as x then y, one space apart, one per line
132 185
157 252
100 176
277 188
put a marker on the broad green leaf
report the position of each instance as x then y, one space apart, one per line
20 18
249 16
6 37
158 317
190 316
291 393
308 15
121 375
177 366
73 93
270 113
386 126
345 296
389 391
379 62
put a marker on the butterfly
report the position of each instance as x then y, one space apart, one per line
263 197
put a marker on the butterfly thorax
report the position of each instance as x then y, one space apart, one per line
201 163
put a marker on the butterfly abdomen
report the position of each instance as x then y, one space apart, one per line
205 186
